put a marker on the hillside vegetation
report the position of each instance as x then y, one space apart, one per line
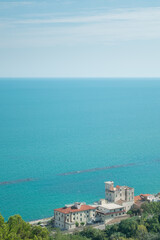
145 226
17 229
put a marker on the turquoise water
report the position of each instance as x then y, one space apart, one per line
48 127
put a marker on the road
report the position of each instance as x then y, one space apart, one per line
100 227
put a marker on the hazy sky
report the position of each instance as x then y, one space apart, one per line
80 38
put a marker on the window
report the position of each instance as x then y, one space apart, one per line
80 219
81 214
74 218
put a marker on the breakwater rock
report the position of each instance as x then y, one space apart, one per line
97 169
17 181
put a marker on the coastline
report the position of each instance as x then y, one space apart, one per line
40 222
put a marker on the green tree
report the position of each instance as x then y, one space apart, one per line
77 224
92 233
141 232
117 236
82 223
109 230
152 224
128 227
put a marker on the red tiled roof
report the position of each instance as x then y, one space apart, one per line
145 195
140 197
137 198
72 209
118 186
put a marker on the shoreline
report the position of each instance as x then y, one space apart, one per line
44 221
41 221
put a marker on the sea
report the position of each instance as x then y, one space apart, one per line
53 126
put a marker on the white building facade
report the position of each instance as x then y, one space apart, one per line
107 211
122 195
68 217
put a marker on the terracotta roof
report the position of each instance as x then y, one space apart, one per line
140 197
137 198
145 195
118 186
72 209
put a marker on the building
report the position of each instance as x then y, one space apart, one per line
107 211
121 195
68 217
158 197
118 200
140 199
147 197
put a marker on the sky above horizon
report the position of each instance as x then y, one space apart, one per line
72 38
